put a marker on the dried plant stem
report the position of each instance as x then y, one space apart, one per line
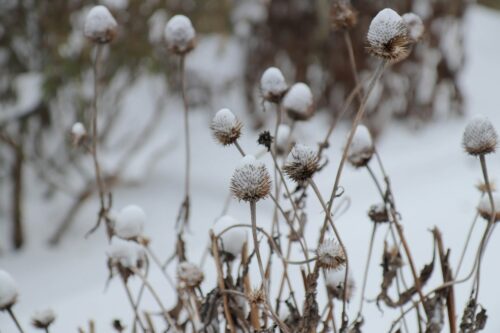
137 318
162 269
367 266
14 319
237 145
352 62
467 241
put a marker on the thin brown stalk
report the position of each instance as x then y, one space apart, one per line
137 318
14 319
367 267
185 207
352 62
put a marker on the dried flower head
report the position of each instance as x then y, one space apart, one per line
484 208
343 15
251 181
129 222
256 296
414 25
100 26
43 319
334 280
124 256
301 163
331 255
483 188
78 134
361 149
273 85
226 127
231 241
378 213
8 291
180 34
265 139
189 275
388 36
298 102
283 139
480 137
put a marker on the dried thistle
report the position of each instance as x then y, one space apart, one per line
298 102
180 35
189 275
265 139
331 255
301 163
480 137
225 127
334 280
484 208
378 213
250 181
273 85
100 26
43 319
124 256
256 296
343 15
361 149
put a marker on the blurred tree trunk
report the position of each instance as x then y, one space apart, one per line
17 196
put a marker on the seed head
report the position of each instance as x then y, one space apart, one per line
231 241
414 25
484 208
298 102
189 275
343 15
335 284
8 291
388 36
361 150
378 213
129 222
43 319
283 139
301 163
256 296
251 181
331 255
78 133
480 137
124 256
226 127
265 139
180 34
273 85
483 188
100 26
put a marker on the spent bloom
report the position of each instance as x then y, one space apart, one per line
343 15
388 36
334 280
8 290
298 102
232 240
361 149
251 181
125 256
283 138
43 319
301 163
331 255
484 208
189 274
273 85
414 25
225 127
480 137
180 34
100 26
129 222
378 213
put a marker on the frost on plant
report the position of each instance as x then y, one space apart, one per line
180 34
273 85
100 25
480 137
361 149
298 102
226 128
301 163
251 181
129 222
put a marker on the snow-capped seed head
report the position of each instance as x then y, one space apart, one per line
361 149
100 26
189 275
388 36
484 208
343 15
273 85
378 213
283 139
78 133
251 181
483 188
125 256
301 163
43 319
334 280
226 127
180 34
129 222
231 241
331 255
480 137
256 296
414 25
8 291
298 102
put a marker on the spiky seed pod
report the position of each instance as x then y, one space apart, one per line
231 242
378 213
256 296
283 139
334 280
343 15
414 25
298 102
484 208
129 222
480 137
361 149
43 319
273 85
180 34
331 255
225 127
189 275
8 291
124 256
301 163
387 36
250 181
265 139
100 26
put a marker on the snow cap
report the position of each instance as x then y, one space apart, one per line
189 274
125 253
480 137
43 319
301 163
414 25
273 85
334 280
231 241
8 290
361 149
484 207
130 222
298 102
226 128
100 26
251 181
282 138
180 34
331 255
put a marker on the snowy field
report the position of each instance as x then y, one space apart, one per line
433 181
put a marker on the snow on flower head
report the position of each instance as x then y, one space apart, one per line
78 133
388 36
298 102
180 34
334 280
250 181
125 255
43 319
273 85
301 163
8 290
378 213
189 274
129 222
331 255
361 149
100 25
414 25
283 138
484 207
480 137
231 241
226 127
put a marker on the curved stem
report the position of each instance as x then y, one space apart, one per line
13 316
137 318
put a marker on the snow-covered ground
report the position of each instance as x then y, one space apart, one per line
433 180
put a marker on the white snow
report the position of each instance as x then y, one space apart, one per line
78 130
331 254
224 121
8 290
98 23
386 25
127 253
299 98
273 82
302 154
130 222
233 239
179 32
283 137
479 134
484 206
44 317
361 145
414 25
